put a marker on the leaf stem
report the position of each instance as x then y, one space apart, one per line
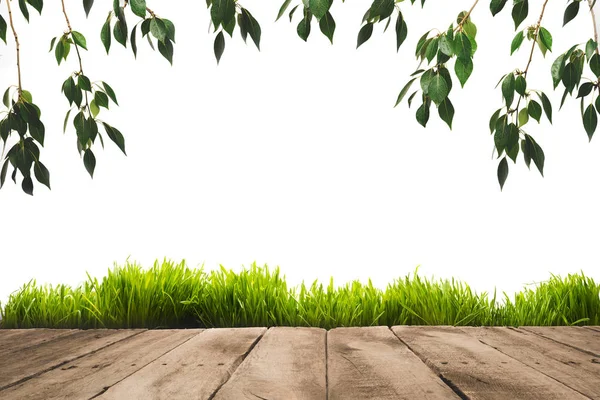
593 14
12 26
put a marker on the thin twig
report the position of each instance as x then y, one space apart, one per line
591 3
76 48
12 26
462 21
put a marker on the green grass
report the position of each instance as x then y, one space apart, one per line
170 295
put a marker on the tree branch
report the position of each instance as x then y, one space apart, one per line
12 26
591 3
76 46
535 36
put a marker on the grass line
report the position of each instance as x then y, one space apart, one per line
170 295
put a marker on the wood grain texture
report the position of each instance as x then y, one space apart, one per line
14 340
194 370
586 340
51 354
287 364
91 375
573 368
478 370
371 363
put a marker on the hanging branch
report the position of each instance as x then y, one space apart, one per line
12 27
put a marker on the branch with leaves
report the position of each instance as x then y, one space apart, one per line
442 55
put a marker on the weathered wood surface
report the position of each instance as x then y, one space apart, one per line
302 363
194 370
51 354
583 339
571 367
88 376
478 370
371 363
288 363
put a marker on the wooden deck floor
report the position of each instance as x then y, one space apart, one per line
302 363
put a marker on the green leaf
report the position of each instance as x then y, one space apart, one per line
547 105
494 119
37 4
438 89
303 28
89 160
95 110
219 46
535 110
569 77
425 80
381 8
590 48
520 11
6 98
101 99
327 25
508 89
535 152
557 70
291 14
423 112
115 136
83 83
59 51
401 31
3 173
158 29
66 120
590 121
523 116
23 7
27 184
595 64
446 111
138 7
319 7
502 172
171 29
496 6
252 27
37 131
462 46
87 6
282 9
585 89
166 49
110 92
545 37
364 34
133 41
517 41
432 49
571 12
3 27
120 30
79 39
105 35
230 27
404 90
41 173
222 11
520 85
463 68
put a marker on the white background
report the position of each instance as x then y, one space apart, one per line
295 157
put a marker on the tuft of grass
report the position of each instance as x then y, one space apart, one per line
170 295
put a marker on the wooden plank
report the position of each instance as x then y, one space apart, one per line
288 363
371 363
593 327
478 370
14 340
89 376
194 370
48 355
567 365
586 340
